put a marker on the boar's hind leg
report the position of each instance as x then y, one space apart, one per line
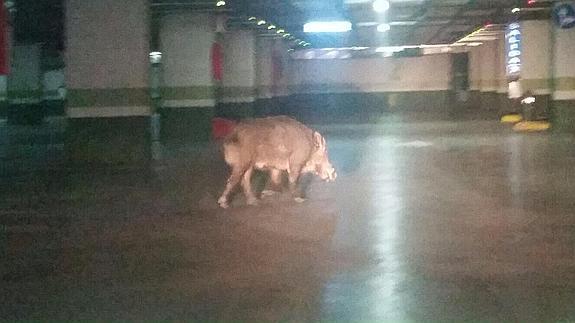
247 186
233 180
293 176
274 183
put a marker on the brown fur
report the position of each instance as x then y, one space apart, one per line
277 144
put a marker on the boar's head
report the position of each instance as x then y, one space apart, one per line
318 162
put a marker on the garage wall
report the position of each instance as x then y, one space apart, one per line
364 89
414 74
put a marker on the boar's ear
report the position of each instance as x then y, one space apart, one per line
318 141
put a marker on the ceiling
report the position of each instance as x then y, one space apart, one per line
413 22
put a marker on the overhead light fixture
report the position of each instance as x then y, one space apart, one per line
515 10
220 3
383 28
327 27
286 35
261 22
380 5
270 27
252 18
280 31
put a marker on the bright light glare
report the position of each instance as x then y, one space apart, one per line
383 28
220 3
261 22
380 5
327 27
515 10
270 27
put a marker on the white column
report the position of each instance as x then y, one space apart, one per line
239 82
107 58
264 75
536 44
186 40
475 69
564 64
488 68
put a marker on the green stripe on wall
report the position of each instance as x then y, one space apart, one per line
490 83
188 93
565 83
238 92
535 84
108 97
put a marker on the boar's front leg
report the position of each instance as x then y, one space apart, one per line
233 180
251 199
294 173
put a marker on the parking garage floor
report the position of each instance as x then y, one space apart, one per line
428 221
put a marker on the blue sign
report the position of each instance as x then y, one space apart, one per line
564 15
513 48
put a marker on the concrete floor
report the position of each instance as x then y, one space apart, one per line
428 221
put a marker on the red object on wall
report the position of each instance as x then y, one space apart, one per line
222 127
4 49
217 61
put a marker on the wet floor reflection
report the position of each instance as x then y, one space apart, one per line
454 227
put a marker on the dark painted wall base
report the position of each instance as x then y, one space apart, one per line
25 114
109 141
187 124
563 116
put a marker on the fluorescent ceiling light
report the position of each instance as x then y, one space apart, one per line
327 26
380 5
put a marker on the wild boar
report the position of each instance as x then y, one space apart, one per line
276 144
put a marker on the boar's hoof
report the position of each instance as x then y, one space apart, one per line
299 199
223 202
252 201
268 192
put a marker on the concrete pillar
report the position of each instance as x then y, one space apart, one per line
564 94
264 68
271 75
188 90
475 78
54 85
502 82
488 72
536 62
239 80
25 85
3 95
107 67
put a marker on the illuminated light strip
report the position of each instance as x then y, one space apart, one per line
327 26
